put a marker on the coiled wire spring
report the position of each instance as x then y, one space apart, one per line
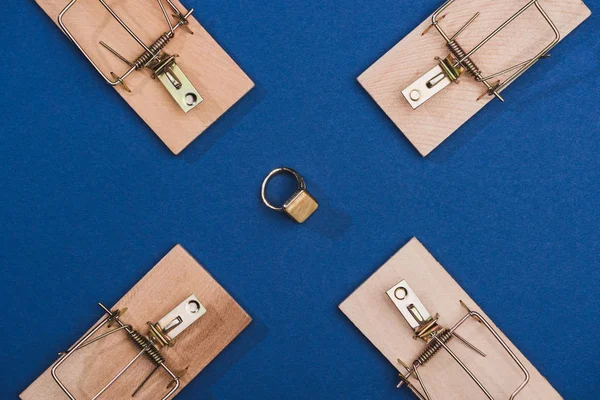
460 54
145 344
434 346
155 48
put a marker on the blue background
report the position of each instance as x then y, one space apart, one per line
91 199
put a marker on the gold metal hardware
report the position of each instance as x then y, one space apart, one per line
300 206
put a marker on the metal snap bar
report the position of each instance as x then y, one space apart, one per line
298 207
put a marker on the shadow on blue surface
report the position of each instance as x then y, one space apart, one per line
224 125
256 332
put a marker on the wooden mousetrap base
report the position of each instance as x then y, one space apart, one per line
433 122
372 311
170 282
218 79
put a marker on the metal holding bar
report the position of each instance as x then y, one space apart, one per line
160 334
124 25
465 26
422 90
479 317
466 369
121 372
72 38
162 7
119 56
72 349
437 338
541 54
154 58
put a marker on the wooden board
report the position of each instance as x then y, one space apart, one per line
170 282
218 79
432 123
372 311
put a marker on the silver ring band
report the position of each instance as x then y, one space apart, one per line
277 171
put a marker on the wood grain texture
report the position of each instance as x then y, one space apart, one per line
218 79
372 311
432 123
170 282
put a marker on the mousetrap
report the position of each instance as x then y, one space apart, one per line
440 341
159 59
152 343
484 45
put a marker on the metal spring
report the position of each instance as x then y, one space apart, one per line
434 346
155 48
145 344
460 54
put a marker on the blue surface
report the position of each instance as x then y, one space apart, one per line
90 199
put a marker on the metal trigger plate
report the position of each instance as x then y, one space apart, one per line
409 305
426 87
180 88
